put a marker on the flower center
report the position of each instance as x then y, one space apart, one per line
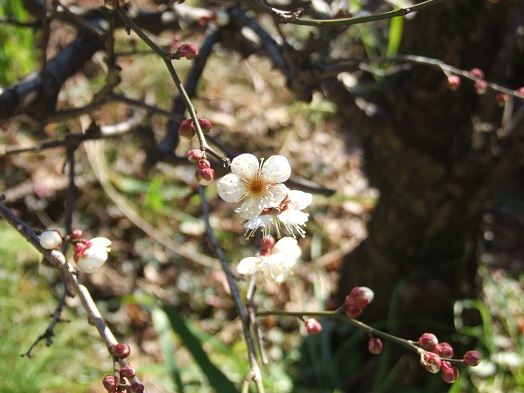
257 187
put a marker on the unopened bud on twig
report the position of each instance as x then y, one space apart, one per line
50 239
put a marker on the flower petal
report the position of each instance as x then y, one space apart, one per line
248 265
276 169
231 188
274 195
299 200
245 166
288 248
251 208
100 242
293 217
260 221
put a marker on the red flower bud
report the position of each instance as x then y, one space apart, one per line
195 155
453 82
444 350
121 350
481 87
127 371
431 362
203 163
520 91
189 51
186 129
135 387
266 245
205 176
353 311
471 358
205 125
477 73
375 345
450 374
313 326
501 99
110 383
428 341
76 234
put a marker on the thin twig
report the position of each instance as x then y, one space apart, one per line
235 294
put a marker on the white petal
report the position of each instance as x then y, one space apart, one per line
293 217
245 166
50 239
275 195
287 247
299 200
260 221
231 188
93 258
248 265
276 169
100 242
251 208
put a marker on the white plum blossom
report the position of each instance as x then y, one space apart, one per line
288 213
92 254
277 266
257 184
50 239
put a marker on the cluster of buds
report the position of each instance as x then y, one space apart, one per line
118 384
114 4
187 128
357 300
189 51
434 355
88 254
204 174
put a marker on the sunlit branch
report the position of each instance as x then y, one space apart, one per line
294 17
235 295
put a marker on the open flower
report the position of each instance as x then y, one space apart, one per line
91 254
256 184
277 266
288 213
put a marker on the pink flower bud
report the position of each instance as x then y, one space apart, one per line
375 345
127 371
50 239
481 87
76 234
266 245
135 387
428 341
205 176
471 358
358 298
449 374
121 350
453 82
431 362
313 326
477 73
110 383
205 125
195 155
189 51
353 311
444 350
520 91
203 163
501 99
186 129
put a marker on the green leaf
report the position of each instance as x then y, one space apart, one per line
217 379
396 27
163 328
